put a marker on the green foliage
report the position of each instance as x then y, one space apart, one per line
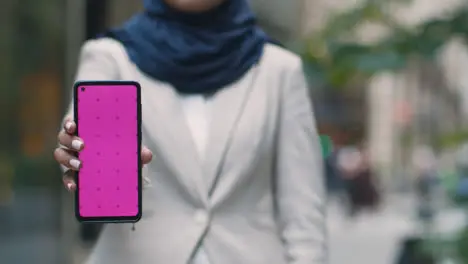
462 245
333 59
451 140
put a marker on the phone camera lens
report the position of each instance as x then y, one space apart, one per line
83 89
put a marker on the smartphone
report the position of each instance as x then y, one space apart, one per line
109 183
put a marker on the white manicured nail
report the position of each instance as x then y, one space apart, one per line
76 144
75 163
68 125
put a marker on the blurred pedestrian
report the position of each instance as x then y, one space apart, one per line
356 171
237 175
461 166
424 162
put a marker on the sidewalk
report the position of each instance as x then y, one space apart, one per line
370 237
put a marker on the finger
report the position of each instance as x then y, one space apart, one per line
146 155
69 180
66 158
69 126
69 141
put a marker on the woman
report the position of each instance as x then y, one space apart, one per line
236 177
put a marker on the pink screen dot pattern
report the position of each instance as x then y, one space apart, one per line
108 124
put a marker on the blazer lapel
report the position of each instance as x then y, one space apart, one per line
174 140
228 105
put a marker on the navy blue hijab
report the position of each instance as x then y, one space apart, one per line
197 53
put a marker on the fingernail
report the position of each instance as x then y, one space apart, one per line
76 144
69 186
68 125
75 163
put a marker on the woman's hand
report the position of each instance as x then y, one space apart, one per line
65 155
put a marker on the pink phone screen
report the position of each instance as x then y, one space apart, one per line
108 120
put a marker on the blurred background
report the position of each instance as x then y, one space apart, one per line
389 82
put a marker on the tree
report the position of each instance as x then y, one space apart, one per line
334 57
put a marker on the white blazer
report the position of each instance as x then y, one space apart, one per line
257 198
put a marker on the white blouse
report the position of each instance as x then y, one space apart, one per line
197 112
